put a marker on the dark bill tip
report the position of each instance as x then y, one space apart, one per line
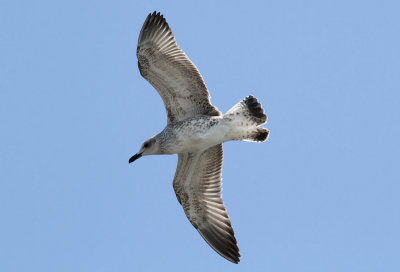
135 157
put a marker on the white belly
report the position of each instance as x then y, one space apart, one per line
201 133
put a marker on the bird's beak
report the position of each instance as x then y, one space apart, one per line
135 157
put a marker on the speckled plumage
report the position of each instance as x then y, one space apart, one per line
195 131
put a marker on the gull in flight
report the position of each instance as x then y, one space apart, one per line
195 131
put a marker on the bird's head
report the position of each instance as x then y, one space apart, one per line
149 147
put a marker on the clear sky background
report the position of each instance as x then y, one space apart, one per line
322 194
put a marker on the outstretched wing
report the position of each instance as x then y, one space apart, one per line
171 72
198 187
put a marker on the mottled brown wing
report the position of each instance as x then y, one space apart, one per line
171 72
198 187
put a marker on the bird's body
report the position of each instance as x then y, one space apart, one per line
201 132
195 131
194 134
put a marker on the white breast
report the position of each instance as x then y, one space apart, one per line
200 133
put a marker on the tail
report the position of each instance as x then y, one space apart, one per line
246 116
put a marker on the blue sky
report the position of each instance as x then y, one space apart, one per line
322 194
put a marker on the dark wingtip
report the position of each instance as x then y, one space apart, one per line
227 248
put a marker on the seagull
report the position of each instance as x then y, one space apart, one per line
195 131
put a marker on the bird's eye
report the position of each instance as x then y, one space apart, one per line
146 145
